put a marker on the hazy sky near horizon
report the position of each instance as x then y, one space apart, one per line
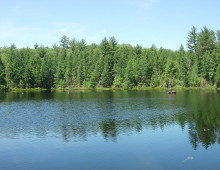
164 23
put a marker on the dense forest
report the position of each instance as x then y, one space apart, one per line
74 63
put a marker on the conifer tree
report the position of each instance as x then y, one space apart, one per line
217 77
193 77
64 41
192 39
2 73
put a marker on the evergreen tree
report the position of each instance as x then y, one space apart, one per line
72 44
14 67
64 41
94 78
217 77
155 81
106 77
2 73
80 77
171 73
113 45
206 41
105 47
48 71
193 77
129 75
182 66
109 64
192 39
218 40
34 65
61 68
69 72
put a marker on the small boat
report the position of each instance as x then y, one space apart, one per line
171 92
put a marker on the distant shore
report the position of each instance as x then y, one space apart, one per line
105 89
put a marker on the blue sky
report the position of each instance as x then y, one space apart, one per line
145 22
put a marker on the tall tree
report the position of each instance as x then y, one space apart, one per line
64 41
193 77
206 41
206 44
2 73
113 45
48 71
217 77
77 64
192 39
105 47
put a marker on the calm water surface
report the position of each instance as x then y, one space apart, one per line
110 130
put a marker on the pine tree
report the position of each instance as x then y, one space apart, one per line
129 75
206 41
64 41
106 77
217 77
171 73
61 68
192 39
155 82
2 73
105 47
182 62
69 76
193 77
48 71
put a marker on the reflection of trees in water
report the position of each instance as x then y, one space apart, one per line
201 129
109 129
79 133
201 133
203 121
111 119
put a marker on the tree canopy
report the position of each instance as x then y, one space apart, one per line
74 63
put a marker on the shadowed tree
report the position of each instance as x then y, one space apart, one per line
217 77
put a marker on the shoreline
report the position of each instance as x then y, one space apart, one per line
105 89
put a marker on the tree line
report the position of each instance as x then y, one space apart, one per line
73 63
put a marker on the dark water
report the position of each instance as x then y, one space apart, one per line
110 130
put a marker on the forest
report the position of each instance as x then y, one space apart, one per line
75 64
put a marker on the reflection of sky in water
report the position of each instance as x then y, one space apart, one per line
158 149
106 130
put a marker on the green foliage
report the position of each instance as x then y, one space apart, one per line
155 79
206 41
48 71
193 76
109 64
2 73
192 39
217 77
64 41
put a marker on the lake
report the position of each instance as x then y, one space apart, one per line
110 130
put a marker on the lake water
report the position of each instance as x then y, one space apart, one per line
110 130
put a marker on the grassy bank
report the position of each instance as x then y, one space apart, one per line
26 89
104 89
